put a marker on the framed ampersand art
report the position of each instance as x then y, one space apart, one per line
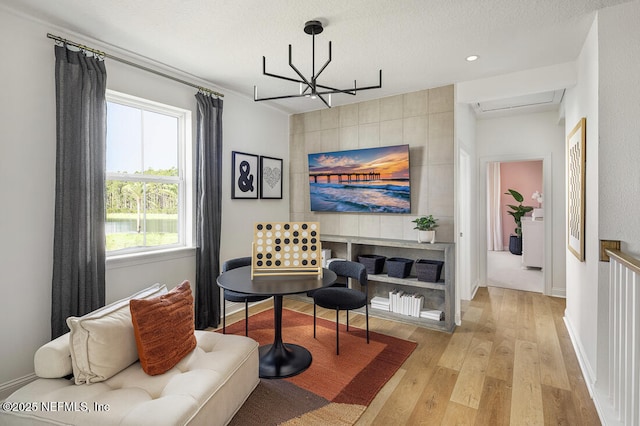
270 177
244 172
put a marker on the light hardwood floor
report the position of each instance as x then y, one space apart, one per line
511 362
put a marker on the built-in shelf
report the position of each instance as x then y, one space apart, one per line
439 295
410 280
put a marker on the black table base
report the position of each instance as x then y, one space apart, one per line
279 360
283 360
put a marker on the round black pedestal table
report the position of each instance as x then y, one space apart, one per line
279 359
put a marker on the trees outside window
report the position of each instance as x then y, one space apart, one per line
145 182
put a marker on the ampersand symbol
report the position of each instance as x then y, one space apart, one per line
245 181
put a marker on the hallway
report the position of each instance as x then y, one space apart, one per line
505 270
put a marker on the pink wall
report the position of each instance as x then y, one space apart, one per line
526 178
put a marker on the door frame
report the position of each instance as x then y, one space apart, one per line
466 289
547 180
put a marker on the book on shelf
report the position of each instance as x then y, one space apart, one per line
432 314
380 303
405 303
417 305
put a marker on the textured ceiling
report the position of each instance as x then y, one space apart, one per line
417 43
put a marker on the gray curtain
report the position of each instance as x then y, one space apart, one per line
208 210
79 240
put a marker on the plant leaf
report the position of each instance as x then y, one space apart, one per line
516 195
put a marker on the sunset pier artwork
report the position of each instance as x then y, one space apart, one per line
374 180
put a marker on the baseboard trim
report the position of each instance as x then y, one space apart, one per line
7 388
474 289
599 400
605 410
233 307
587 372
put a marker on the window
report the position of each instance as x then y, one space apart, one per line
145 184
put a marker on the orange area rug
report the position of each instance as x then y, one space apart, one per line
343 384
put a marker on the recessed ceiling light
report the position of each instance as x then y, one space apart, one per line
472 58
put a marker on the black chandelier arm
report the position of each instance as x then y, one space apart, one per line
350 91
282 77
255 97
333 92
378 86
373 87
325 64
305 81
323 100
330 90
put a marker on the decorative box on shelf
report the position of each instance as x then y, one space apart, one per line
399 267
373 262
429 270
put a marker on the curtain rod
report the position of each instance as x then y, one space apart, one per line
124 61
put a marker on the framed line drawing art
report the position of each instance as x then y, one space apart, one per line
270 177
244 175
576 165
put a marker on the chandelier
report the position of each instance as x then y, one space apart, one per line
309 87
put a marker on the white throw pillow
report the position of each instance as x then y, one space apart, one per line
53 360
102 343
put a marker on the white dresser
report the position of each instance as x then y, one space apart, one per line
532 242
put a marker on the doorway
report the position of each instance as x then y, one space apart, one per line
515 249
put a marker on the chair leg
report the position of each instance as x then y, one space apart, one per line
246 317
224 316
347 320
314 320
366 313
338 331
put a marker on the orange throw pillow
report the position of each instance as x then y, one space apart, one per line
164 328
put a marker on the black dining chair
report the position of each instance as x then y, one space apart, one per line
340 282
234 296
343 298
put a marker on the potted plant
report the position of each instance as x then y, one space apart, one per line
515 241
426 226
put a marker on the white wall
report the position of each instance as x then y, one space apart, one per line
619 127
618 151
607 95
256 129
27 170
581 313
527 137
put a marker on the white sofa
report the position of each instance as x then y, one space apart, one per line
206 387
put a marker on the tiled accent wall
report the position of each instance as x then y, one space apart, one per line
423 119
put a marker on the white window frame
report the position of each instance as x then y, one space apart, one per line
184 182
